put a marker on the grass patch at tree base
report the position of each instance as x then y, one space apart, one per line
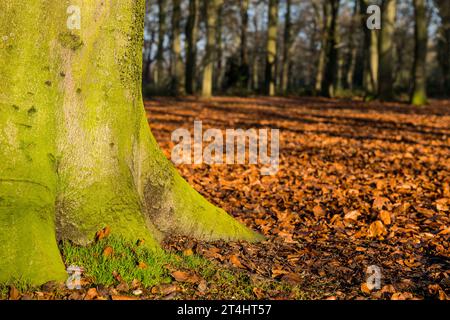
115 268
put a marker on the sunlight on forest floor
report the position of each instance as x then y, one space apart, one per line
359 185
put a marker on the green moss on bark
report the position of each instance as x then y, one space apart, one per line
76 151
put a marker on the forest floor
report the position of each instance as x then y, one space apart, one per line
361 187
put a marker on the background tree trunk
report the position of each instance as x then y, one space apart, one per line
287 46
244 63
386 50
256 55
331 65
191 46
271 54
323 48
177 65
211 10
76 146
419 94
371 57
161 36
353 51
444 42
218 75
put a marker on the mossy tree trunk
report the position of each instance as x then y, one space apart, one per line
386 50
76 150
419 93
271 54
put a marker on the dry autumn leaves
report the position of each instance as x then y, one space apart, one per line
360 184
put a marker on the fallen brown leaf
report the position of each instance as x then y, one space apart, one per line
102 234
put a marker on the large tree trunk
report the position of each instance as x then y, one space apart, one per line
211 10
286 50
76 150
419 93
191 46
386 50
271 54
177 64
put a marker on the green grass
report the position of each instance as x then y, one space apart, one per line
222 282
124 261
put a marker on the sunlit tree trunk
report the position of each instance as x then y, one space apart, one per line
211 10
177 65
191 46
419 94
271 54
371 57
76 151
386 50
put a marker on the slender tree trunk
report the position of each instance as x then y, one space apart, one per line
353 47
148 48
339 81
312 48
419 93
331 66
256 55
191 46
386 50
271 54
218 75
211 9
323 48
177 65
77 153
286 50
161 36
244 63
444 43
371 57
